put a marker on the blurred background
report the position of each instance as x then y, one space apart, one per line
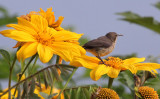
93 18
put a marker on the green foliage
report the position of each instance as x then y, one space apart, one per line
6 18
83 40
81 92
6 56
126 78
46 96
153 82
157 5
158 92
121 91
5 63
148 22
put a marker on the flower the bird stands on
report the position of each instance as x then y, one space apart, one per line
113 66
38 37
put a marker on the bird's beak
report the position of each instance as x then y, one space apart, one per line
119 35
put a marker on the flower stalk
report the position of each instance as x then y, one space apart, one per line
110 81
73 72
21 74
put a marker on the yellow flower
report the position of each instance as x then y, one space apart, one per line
105 93
47 91
6 95
113 65
49 16
147 92
38 37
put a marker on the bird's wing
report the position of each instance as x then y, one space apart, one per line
96 44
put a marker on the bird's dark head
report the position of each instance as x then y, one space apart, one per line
112 35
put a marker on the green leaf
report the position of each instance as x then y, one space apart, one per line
158 92
32 87
6 56
157 5
4 11
34 96
86 93
153 82
148 22
83 40
7 20
126 78
66 95
78 94
72 94
44 95
52 95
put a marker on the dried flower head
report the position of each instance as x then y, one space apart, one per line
147 92
105 93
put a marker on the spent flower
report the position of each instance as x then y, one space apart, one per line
105 93
147 92
113 66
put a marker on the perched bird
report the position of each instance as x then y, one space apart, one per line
103 45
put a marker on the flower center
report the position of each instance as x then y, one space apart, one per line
114 62
45 38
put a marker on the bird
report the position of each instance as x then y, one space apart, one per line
102 46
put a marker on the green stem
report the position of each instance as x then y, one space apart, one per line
110 81
34 64
74 70
10 75
57 62
21 74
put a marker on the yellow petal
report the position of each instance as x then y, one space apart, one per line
85 61
45 53
27 50
18 35
23 28
59 21
66 36
146 66
40 22
67 50
23 22
133 60
113 72
100 70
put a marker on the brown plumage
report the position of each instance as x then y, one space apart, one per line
103 45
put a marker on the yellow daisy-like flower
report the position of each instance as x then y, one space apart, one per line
38 37
147 92
113 66
105 93
47 91
49 16
6 95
